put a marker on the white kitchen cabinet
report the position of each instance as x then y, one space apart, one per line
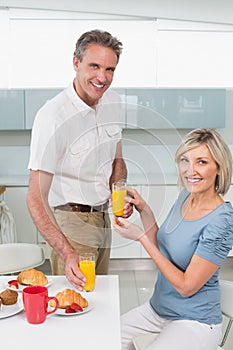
5 47
15 199
167 108
34 100
55 40
195 58
11 109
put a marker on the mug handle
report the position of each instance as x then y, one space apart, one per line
55 307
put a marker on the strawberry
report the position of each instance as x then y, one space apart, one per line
76 307
69 310
13 284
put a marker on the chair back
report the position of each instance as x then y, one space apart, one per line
226 298
15 257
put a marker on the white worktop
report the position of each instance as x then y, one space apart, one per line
14 180
98 328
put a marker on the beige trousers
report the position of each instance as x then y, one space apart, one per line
86 232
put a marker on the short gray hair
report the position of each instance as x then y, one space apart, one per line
97 37
219 151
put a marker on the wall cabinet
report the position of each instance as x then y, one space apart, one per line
145 108
55 40
165 108
158 52
34 100
195 58
11 109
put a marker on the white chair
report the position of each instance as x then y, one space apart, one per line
15 257
141 342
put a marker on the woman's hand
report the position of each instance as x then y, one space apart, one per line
127 230
128 210
134 198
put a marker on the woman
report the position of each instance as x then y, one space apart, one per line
188 250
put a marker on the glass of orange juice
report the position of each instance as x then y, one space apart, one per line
87 267
119 192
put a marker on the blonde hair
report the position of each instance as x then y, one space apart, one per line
219 151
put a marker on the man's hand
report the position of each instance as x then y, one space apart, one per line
73 273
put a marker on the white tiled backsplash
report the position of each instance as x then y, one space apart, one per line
14 160
149 159
140 159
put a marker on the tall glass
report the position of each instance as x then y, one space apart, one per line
87 267
119 192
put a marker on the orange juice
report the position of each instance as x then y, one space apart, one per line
118 201
87 267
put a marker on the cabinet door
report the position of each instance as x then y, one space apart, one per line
175 108
11 109
15 199
195 58
160 199
55 40
34 99
122 247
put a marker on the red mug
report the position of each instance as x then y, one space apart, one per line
35 301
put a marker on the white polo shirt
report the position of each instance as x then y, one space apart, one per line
77 144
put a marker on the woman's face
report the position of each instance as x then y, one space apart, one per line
198 169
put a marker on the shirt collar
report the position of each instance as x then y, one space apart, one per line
77 101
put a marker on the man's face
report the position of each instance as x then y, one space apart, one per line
94 74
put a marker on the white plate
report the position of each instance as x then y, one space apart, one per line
22 286
10 310
61 312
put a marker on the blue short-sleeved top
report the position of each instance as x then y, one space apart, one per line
211 238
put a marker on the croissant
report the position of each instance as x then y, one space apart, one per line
69 296
32 277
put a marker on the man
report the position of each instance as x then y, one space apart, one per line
76 155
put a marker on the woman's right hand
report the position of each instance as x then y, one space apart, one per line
134 198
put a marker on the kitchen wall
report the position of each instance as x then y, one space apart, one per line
146 151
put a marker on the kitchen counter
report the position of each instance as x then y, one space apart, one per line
14 180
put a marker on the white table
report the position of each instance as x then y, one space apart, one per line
97 329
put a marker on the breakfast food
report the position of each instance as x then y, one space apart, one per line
9 297
68 297
32 277
73 308
13 284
